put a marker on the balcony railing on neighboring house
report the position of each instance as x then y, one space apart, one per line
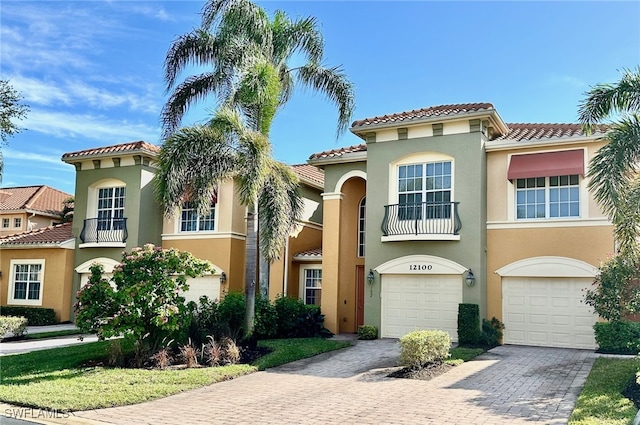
421 219
99 230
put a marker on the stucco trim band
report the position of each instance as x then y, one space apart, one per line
420 264
548 266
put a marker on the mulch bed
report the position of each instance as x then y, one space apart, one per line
425 373
632 392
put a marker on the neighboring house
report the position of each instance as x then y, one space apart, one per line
116 209
36 269
449 204
31 207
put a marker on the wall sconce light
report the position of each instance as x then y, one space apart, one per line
370 279
470 279
223 278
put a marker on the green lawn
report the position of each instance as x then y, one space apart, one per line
60 379
53 334
601 401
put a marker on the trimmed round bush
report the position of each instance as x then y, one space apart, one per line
367 332
419 348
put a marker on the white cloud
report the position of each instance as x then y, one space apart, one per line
34 157
61 124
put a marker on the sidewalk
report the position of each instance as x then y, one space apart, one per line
25 346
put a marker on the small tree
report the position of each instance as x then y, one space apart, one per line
617 292
147 302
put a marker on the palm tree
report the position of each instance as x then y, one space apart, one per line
613 170
248 54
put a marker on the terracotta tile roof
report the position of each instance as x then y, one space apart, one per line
335 153
37 198
46 235
524 131
418 114
310 254
115 149
309 172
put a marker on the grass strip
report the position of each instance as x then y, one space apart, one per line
601 401
289 350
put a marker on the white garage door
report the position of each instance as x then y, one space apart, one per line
547 312
411 302
200 286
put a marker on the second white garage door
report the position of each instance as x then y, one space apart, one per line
411 302
547 312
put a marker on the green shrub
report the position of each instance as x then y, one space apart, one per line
14 324
468 324
231 315
367 332
618 337
311 323
491 333
419 348
36 316
288 309
266 319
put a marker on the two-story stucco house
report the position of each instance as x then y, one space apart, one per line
449 204
27 208
116 210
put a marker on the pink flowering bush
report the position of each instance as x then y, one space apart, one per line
147 302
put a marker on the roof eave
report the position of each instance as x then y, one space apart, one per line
363 129
13 245
341 159
514 144
74 159
310 182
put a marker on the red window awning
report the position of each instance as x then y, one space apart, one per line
546 164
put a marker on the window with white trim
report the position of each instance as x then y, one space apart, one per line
424 190
548 197
190 221
17 223
362 209
5 223
111 208
311 284
26 282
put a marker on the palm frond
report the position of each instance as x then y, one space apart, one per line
290 37
192 163
333 83
606 99
197 47
193 89
614 166
279 207
626 220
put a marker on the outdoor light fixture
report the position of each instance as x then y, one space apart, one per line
470 279
223 278
370 278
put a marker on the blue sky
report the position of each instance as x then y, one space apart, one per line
91 71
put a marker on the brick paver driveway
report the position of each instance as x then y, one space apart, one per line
508 385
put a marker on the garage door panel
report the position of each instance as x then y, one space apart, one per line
411 302
547 312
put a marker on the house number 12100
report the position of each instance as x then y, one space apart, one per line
417 267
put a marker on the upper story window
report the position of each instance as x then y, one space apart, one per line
190 221
424 190
17 223
5 223
111 208
548 197
362 208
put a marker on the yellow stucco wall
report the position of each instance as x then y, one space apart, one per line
58 275
504 246
225 253
13 230
331 262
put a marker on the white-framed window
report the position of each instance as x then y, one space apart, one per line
26 282
362 209
425 190
190 221
548 197
5 223
311 284
17 223
110 208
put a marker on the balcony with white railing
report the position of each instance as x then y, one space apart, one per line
421 221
